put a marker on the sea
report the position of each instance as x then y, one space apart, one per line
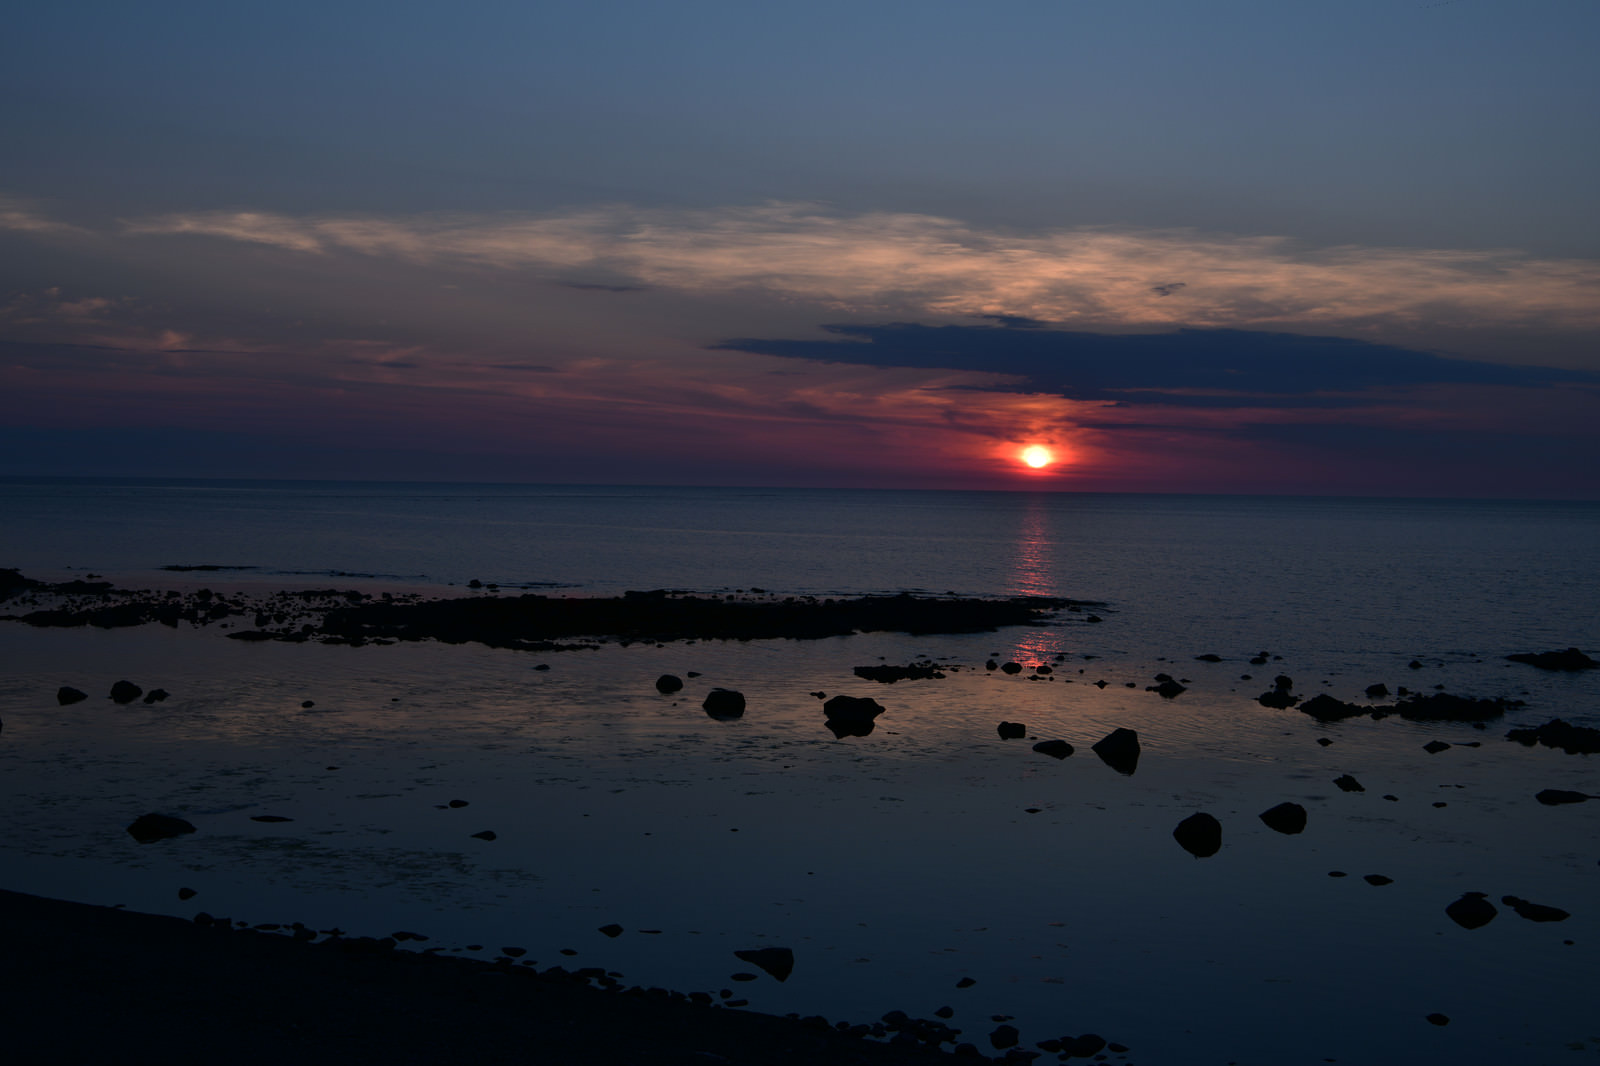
929 865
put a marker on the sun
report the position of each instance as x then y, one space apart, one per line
1037 456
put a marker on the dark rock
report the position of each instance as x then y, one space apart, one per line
125 692
1347 783
1208 657
1003 1037
1056 749
1434 747
1324 741
1280 698
945 1012
1378 880
1443 707
1324 708
851 716
1011 730
1287 818
456 805
966 982
991 665
1083 1047
1378 691
779 962
1011 668
148 828
1167 689
156 695
1414 665
269 818
487 834
66 695
1119 749
1572 739
613 930
1472 911
1571 659
668 683
888 675
724 704
1200 835
1439 1019
1535 912
1554 797
306 705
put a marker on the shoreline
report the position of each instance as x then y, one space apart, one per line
189 992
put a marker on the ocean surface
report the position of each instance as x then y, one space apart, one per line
894 865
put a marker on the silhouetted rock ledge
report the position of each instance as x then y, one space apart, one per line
529 621
262 998
1571 659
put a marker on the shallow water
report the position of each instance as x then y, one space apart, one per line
896 864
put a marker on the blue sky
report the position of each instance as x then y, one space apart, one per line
616 241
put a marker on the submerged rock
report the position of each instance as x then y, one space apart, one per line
1556 733
66 694
1011 730
851 716
724 704
1200 835
1472 911
1571 659
1056 749
1119 749
1535 912
1555 797
778 962
148 828
1289 818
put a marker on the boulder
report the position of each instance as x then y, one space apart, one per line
1003 1037
1280 698
1378 691
1119 749
66 694
1011 668
156 695
125 692
1200 835
1289 818
851 716
1167 689
1056 749
724 704
1347 783
1011 730
1472 911
1324 708
1434 747
778 962
1571 659
667 684
148 828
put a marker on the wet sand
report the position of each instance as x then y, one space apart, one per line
84 984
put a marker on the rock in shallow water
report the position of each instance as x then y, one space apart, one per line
1472 911
1119 749
1535 912
148 828
1200 835
779 962
1554 797
1011 730
125 692
851 716
667 684
1571 660
1288 818
724 704
66 694
1056 749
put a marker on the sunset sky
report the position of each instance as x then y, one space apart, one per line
1224 247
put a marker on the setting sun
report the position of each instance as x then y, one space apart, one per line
1037 456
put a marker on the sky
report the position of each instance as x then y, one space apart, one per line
1233 246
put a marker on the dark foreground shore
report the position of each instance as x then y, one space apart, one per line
81 983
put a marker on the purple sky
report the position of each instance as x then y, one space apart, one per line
1235 247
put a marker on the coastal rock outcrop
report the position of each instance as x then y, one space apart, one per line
851 716
1556 733
148 828
778 962
1199 834
888 675
1119 749
1572 659
1287 818
724 704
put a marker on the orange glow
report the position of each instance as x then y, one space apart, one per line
1037 456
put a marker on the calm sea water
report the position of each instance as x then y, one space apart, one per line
894 865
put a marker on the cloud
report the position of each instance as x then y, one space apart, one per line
25 216
920 264
1187 368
